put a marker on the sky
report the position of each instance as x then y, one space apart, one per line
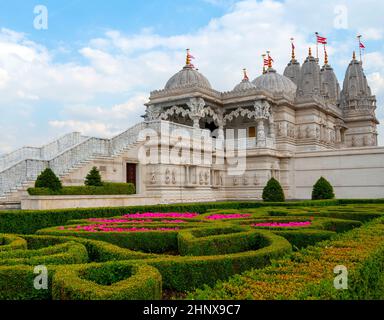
91 65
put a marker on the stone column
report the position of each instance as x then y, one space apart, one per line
196 122
261 141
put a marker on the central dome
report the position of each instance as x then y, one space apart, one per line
276 84
188 76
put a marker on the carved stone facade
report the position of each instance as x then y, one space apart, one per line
273 124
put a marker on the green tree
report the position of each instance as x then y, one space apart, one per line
94 178
273 192
322 190
48 179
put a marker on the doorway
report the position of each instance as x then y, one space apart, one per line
131 174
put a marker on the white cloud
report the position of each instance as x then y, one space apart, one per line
124 68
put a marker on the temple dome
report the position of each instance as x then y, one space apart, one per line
355 82
188 76
330 87
275 83
309 82
292 71
245 84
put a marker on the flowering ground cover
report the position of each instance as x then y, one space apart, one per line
257 253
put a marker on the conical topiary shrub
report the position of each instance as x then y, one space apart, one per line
94 178
322 190
273 192
48 179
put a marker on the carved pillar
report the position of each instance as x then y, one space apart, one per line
261 141
271 128
196 106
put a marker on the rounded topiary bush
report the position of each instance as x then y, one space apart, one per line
94 178
273 192
117 280
322 190
48 179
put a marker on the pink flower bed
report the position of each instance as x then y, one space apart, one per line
107 228
283 224
186 215
227 216
117 221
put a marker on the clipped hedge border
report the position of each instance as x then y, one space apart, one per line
308 274
148 242
106 189
66 253
219 240
10 242
28 222
107 281
187 273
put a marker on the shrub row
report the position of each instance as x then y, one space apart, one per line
28 222
105 189
10 242
108 281
308 274
150 242
66 253
218 241
16 281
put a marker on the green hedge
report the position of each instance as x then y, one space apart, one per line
10 242
219 240
303 238
28 222
151 241
187 273
308 274
67 253
108 281
16 283
106 189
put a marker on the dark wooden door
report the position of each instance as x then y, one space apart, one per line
131 173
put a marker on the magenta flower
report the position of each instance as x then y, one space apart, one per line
283 224
227 216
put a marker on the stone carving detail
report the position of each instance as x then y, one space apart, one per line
262 110
239 112
206 178
196 107
281 129
354 142
172 111
255 180
153 177
167 176
291 132
308 132
245 180
173 177
235 181
153 113
201 178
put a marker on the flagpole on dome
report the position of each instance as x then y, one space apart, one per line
293 49
325 55
264 55
188 59
317 46
245 75
361 47
269 60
